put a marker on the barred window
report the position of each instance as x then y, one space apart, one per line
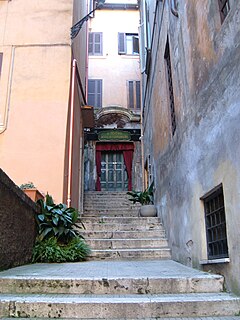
170 87
217 246
224 7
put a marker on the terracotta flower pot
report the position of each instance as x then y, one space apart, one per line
148 210
33 194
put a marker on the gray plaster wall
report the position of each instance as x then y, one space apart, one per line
18 226
205 149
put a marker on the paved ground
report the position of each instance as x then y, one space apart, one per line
105 269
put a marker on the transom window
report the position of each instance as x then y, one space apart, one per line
217 246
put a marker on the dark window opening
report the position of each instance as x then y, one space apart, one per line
224 7
217 246
95 93
170 87
134 94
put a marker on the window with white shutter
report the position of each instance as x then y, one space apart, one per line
95 93
95 44
128 43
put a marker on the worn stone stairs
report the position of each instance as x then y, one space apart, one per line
115 231
123 285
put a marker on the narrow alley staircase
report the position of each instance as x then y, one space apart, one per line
129 276
114 230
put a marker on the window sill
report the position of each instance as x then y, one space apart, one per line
215 261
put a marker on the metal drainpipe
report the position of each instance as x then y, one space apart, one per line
70 150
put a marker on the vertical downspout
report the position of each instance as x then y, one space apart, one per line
70 150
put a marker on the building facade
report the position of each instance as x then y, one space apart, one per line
36 95
190 64
113 147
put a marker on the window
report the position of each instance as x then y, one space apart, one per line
215 224
95 44
134 94
224 8
95 93
128 43
170 87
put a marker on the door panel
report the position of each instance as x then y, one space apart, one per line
113 172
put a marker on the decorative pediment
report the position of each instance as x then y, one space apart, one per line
115 116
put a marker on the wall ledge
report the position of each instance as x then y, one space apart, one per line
215 261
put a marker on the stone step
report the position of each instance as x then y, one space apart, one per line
127 243
109 277
123 234
139 254
124 220
121 227
111 212
118 306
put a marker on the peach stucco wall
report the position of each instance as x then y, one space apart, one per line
34 91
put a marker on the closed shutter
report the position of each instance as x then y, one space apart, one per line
138 95
121 43
98 43
95 93
95 43
90 43
130 95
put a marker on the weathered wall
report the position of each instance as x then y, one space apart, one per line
18 226
34 89
204 151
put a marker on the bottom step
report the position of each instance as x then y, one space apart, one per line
118 307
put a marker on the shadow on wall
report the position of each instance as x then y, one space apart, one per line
18 225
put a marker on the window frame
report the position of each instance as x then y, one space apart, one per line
169 78
92 43
215 199
95 95
136 95
122 43
225 4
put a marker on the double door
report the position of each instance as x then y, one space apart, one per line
113 172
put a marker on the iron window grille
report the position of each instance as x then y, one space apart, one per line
224 7
217 246
134 94
170 87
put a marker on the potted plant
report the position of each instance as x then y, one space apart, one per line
145 198
31 191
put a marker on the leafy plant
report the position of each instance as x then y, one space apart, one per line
28 185
56 220
50 250
144 197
